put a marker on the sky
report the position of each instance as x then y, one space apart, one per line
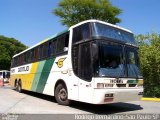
31 21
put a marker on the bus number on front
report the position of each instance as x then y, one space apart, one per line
116 81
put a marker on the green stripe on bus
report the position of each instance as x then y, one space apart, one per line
44 76
37 75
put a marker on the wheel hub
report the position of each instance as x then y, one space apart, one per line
63 94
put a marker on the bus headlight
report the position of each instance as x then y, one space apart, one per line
140 83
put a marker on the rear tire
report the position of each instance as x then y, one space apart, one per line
61 94
18 86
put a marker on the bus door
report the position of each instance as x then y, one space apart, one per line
85 72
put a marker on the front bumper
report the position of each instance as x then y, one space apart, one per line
119 95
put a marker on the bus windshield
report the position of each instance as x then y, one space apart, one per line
115 60
132 63
111 60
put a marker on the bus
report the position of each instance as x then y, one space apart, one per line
93 62
5 76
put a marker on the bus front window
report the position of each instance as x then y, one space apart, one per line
133 63
111 60
113 33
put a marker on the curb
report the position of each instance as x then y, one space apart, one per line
151 99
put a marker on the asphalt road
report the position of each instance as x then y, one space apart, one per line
12 102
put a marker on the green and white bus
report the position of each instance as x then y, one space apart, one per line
93 62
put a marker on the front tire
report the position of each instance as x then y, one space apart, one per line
61 95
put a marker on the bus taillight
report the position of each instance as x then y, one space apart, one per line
100 85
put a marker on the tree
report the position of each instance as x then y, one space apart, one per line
149 52
8 48
75 11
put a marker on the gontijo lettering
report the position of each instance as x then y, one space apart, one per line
23 69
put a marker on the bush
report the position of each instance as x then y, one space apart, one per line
149 53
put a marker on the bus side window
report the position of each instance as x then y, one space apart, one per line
44 50
85 31
18 60
77 35
66 42
53 48
27 56
49 49
36 54
22 59
30 56
60 44
39 52
25 59
81 33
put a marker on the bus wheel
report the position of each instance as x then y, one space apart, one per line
61 95
19 86
16 85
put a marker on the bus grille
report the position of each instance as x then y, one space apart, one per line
126 85
132 85
121 85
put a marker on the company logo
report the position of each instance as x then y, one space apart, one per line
60 62
23 69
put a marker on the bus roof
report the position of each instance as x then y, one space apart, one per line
45 40
98 21
4 71
86 21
